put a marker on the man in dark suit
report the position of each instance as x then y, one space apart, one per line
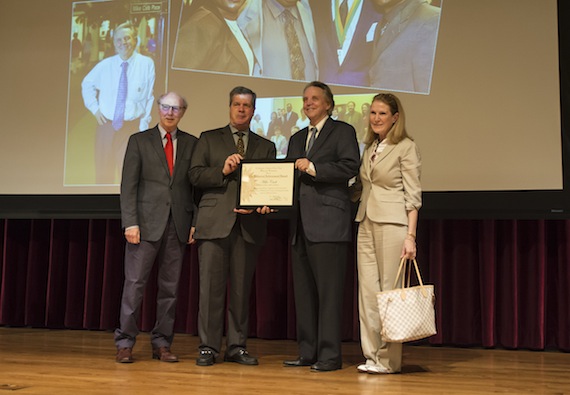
229 238
345 46
326 157
156 209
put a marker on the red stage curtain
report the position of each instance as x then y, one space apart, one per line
499 283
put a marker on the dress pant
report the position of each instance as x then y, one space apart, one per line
318 282
379 247
139 260
110 147
233 259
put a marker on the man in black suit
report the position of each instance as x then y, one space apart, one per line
156 211
326 157
229 239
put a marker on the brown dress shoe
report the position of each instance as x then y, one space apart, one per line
163 354
124 355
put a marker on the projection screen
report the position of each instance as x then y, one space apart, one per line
486 119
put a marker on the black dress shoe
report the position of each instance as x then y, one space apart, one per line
325 366
241 357
206 358
298 362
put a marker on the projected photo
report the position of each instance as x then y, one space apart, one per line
117 63
384 44
279 118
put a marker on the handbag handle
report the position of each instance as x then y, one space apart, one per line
403 268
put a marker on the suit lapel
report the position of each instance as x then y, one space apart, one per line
252 143
250 21
180 148
395 25
237 52
228 139
327 129
156 142
389 148
303 134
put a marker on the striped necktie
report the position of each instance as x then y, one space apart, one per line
313 131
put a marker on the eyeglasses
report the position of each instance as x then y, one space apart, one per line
175 109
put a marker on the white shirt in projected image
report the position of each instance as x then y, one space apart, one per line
99 88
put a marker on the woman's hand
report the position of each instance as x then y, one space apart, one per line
409 248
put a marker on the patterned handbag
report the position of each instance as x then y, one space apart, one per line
407 313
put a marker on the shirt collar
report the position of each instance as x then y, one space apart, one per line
129 60
163 132
277 9
235 130
320 124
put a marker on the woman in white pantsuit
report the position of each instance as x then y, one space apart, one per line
388 213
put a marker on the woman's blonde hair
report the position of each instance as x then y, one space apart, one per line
398 131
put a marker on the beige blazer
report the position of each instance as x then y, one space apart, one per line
391 186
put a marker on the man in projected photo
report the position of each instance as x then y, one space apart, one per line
119 93
326 156
346 33
211 40
289 120
352 116
282 35
157 209
229 239
404 49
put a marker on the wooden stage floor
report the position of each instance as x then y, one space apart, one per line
40 361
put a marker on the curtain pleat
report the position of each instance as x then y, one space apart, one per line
498 283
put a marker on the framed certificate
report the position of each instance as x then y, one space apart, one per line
266 183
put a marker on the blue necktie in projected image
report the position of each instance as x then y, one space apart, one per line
119 115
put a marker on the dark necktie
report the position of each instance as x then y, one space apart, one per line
313 131
240 145
343 12
169 151
296 58
119 115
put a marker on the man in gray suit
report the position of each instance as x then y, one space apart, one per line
228 238
156 209
326 157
